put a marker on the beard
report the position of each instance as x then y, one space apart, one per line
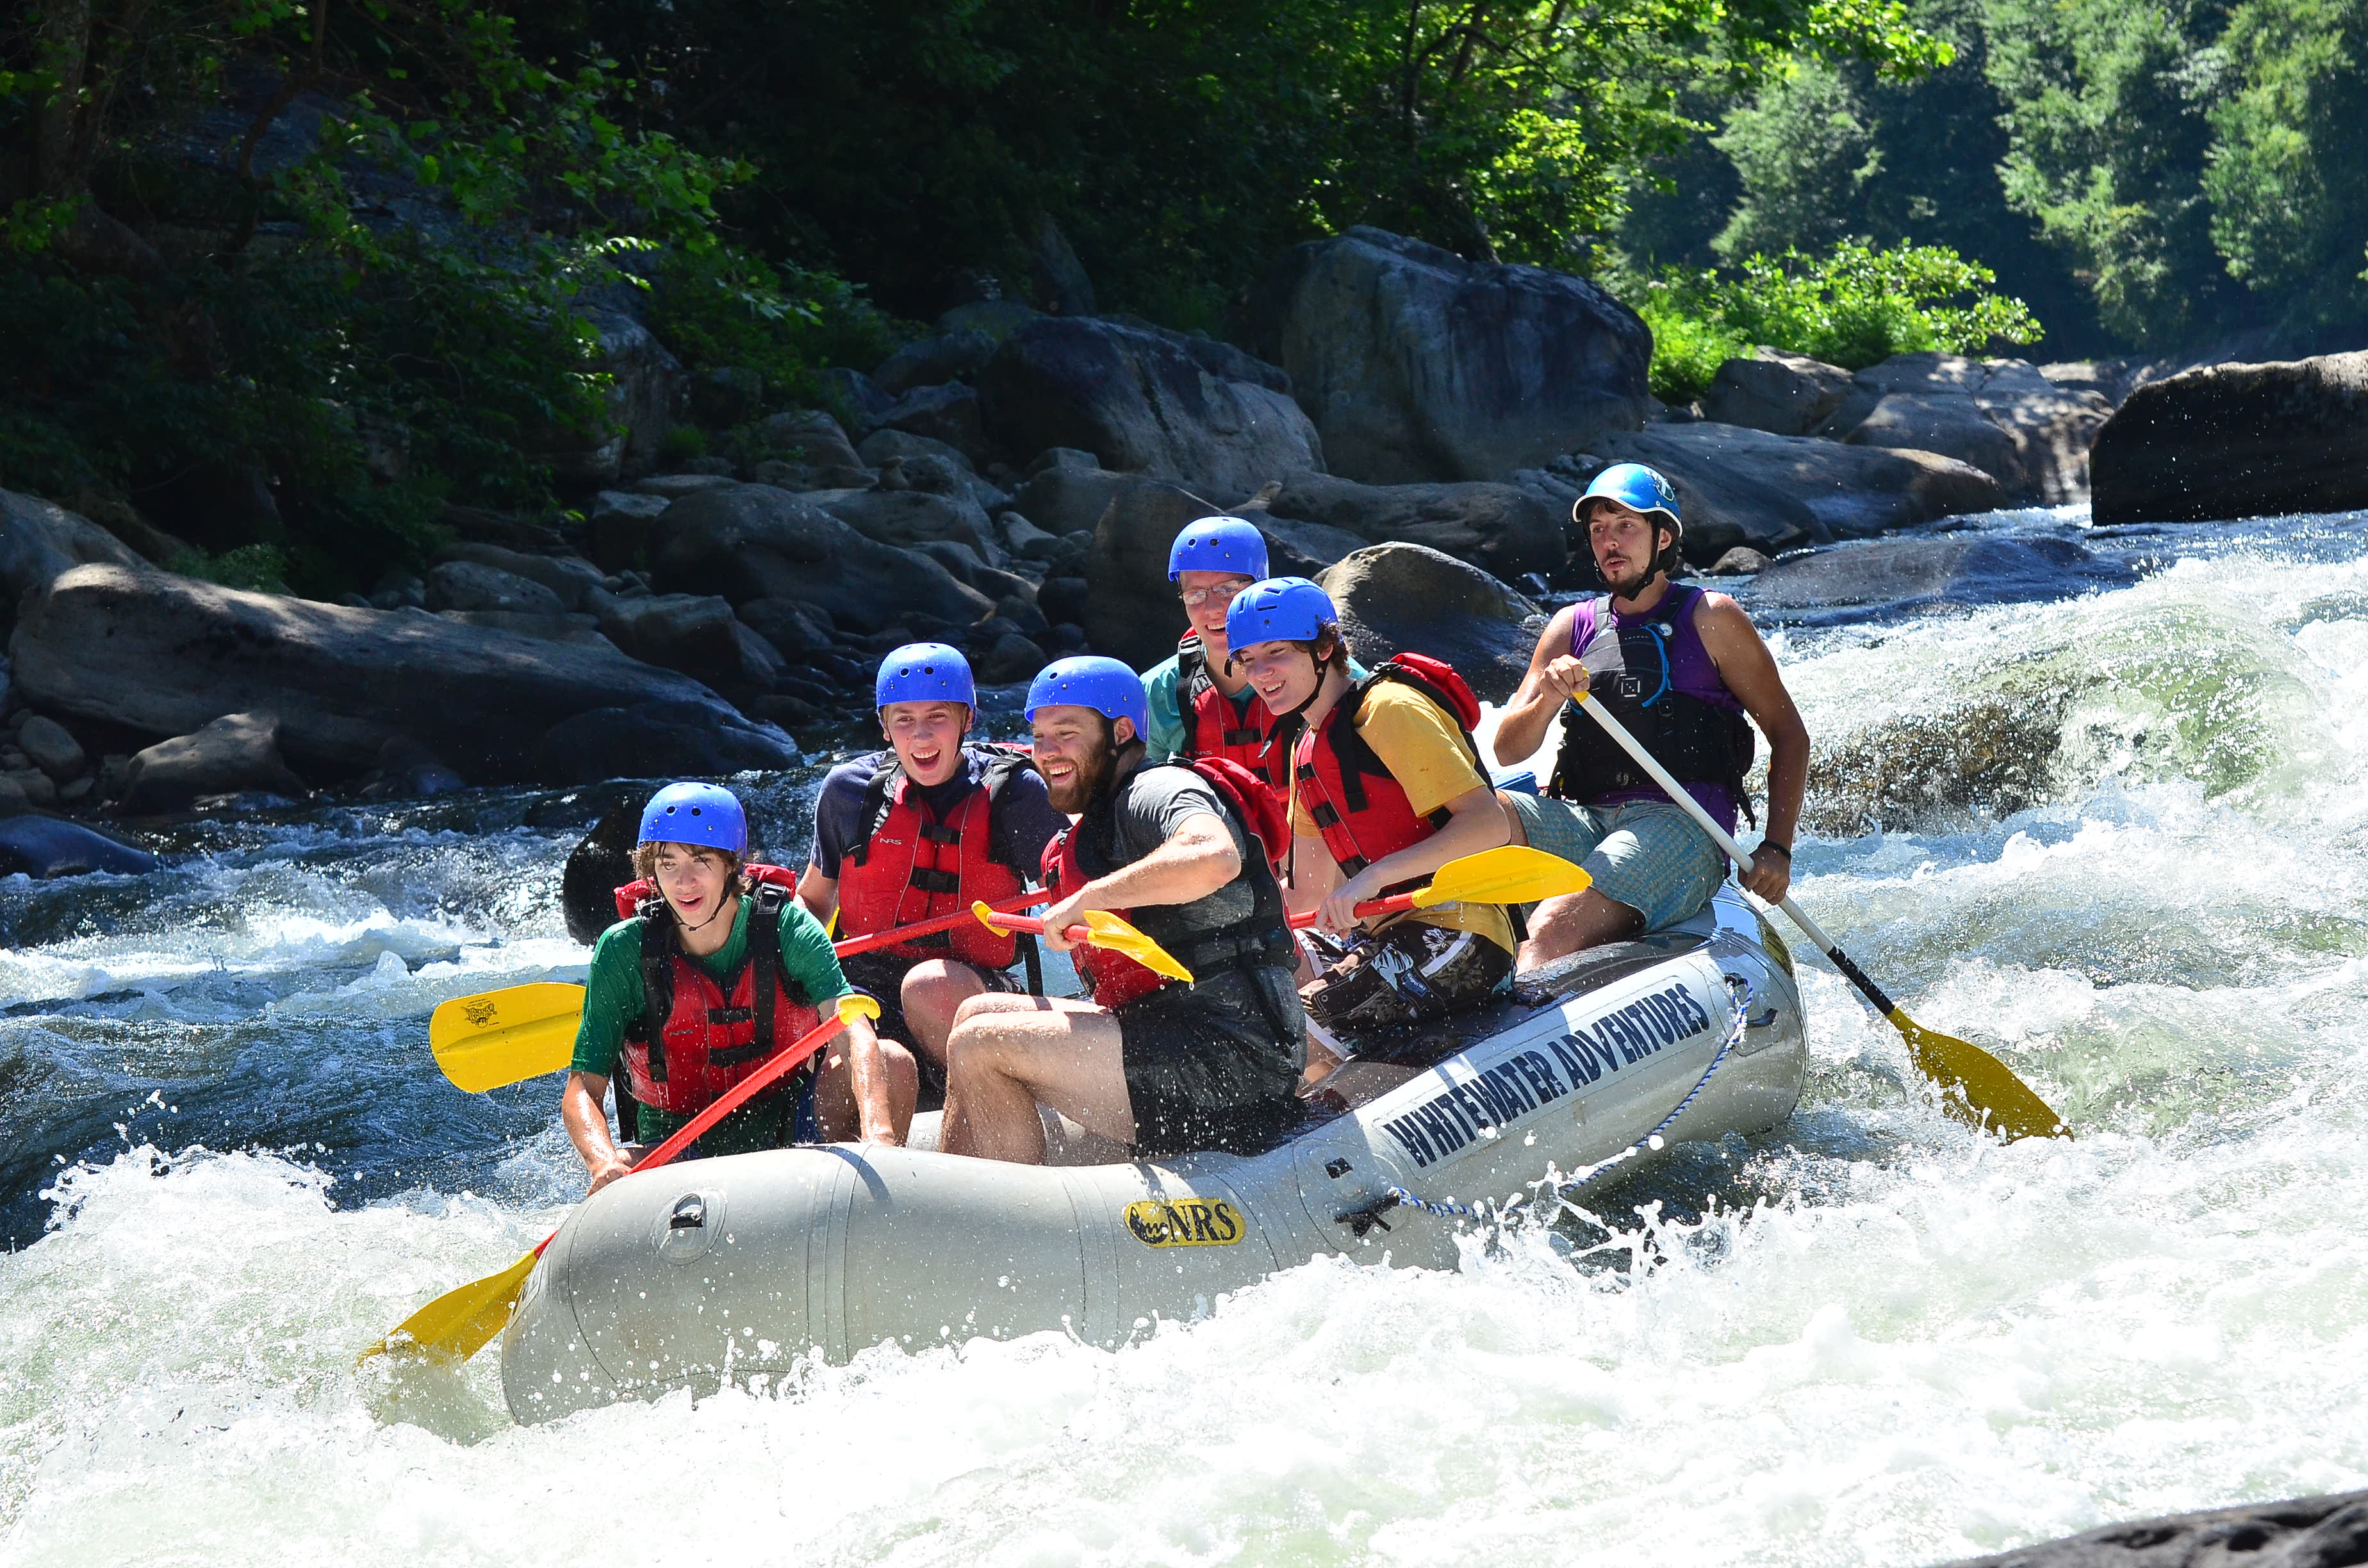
1072 798
1639 578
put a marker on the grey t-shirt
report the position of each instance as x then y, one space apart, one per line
1151 804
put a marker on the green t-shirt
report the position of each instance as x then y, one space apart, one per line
613 998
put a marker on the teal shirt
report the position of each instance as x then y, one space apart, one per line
1169 733
613 998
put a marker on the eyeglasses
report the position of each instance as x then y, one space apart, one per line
1225 594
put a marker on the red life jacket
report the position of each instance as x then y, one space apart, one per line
912 865
698 1035
1213 728
1114 979
1360 810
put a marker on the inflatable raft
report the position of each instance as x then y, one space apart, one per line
737 1267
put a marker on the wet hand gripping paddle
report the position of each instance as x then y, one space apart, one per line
1512 873
1102 929
459 1323
1975 1087
503 1036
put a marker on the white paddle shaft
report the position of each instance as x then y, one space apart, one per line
1692 808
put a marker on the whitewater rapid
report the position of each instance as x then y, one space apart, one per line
1871 1337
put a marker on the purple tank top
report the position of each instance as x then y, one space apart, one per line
1595 643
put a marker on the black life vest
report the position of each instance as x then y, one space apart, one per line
1084 850
698 1035
1698 742
909 864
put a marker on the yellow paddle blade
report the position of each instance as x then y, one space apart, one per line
1512 873
1115 934
500 1036
1975 1086
459 1323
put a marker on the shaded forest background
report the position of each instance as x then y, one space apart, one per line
293 282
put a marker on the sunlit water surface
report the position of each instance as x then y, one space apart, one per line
1869 1338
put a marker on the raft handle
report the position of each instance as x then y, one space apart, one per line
689 1214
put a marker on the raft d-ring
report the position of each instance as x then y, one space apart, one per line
1741 990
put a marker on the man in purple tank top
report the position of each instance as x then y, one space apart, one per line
1680 668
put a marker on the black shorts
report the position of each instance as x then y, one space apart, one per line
1214 1065
1411 973
882 974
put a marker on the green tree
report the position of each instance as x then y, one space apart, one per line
2288 168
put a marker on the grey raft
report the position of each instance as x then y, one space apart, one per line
737 1268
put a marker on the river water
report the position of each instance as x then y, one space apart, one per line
1870 1337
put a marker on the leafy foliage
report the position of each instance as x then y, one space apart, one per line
1852 307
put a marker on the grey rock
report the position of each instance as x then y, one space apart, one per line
569 576
944 356
644 400
1502 528
41 847
751 541
694 633
168 654
1064 499
38 539
996 318
2237 442
726 397
620 522
924 473
672 738
1396 599
910 517
1054 268
237 752
1785 394
1061 457
1304 545
1021 612
2000 415
956 557
12 796
1776 493
882 445
793 627
674 486
1740 561
2306 1532
400 591
465 585
1900 575
798 478
408 771
858 401
808 437
1150 401
715 465
32 786
1133 612
583 631
1012 658
1418 365
950 414
601 862
47 746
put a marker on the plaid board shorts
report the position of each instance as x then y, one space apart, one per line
1645 854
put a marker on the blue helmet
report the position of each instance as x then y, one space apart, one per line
1089 680
1288 610
705 815
1218 544
924 671
1634 487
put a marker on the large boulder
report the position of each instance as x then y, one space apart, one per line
752 541
40 539
2328 1532
568 576
1500 527
2237 442
168 654
237 752
41 847
951 413
646 390
1893 575
1785 394
650 740
601 862
943 357
1061 499
1145 401
1131 612
1775 493
1418 365
697 634
910 517
2000 415
467 585
1396 598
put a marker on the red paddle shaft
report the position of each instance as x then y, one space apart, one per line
1395 904
864 944
1030 925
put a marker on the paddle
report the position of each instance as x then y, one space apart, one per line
1975 1086
1102 929
460 1322
1511 873
503 1037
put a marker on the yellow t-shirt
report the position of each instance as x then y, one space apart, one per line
1420 745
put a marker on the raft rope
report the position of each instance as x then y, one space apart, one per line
1741 991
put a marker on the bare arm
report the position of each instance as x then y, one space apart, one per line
1475 822
586 1119
867 1073
818 894
1750 671
1523 729
1197 858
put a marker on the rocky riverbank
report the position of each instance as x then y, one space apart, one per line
1010 484
2305 1532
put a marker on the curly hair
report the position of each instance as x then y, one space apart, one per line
645 865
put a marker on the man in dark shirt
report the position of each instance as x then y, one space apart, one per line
1164 1066
920 830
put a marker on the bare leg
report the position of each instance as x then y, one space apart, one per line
933 989
834 1092
1007 1054
1559 926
